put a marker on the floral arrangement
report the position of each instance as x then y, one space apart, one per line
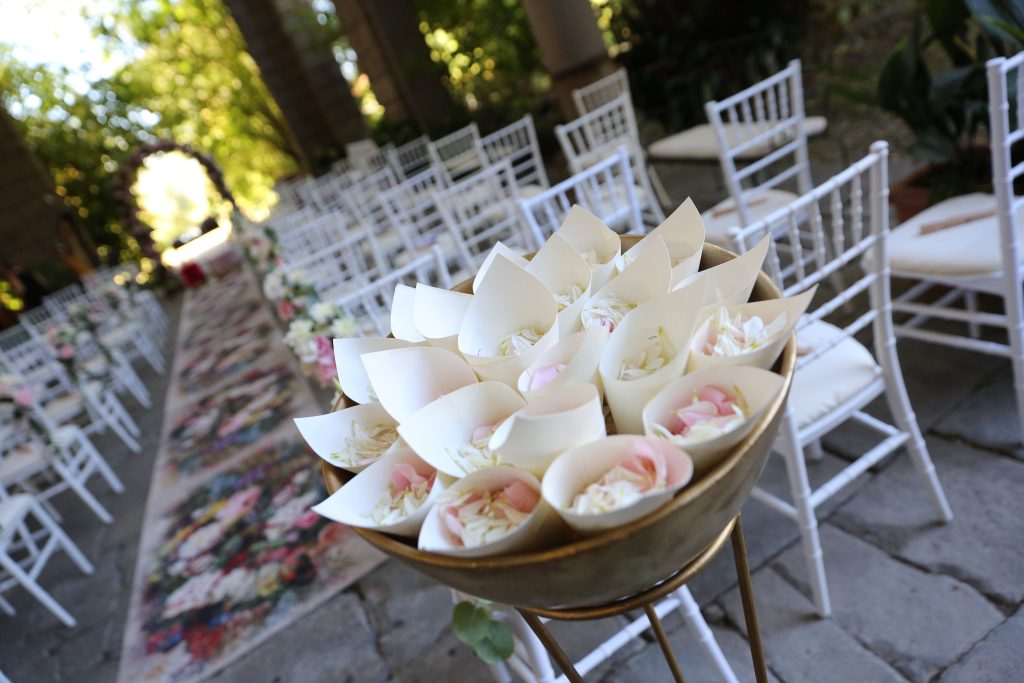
309 337
291 290
66 340
21 397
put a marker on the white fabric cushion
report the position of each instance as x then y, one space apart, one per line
973 248
700 143
22 462
716 228
832 378
13 511
63 407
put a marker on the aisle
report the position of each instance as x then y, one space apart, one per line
230 552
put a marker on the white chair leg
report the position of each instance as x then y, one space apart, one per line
150 354
899 403
100 463
814 451
29 584
800 490
971 304
76 555
1015 329
702 632
84 493
8 609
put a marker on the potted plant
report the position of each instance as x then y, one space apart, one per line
935 81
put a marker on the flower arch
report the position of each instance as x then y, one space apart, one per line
128 208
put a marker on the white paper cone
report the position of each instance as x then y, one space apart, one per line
353 503
498 248
580 353
549 425
441 428
403 321
508 301
537 529
672 315
326 434
758 388
438 313
645 278
558 266
587 234
405 380
576 469
683 233
764 357
351 373
730 283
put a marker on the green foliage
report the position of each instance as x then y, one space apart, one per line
946 107
489 51
490 639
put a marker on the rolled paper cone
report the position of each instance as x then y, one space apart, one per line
438 313
586 233
645 278
559 267
438 430
540 528
671 316
354 503
764 357
351 373
574 470
403 322
509 300
498 248
730 283
326 434
549 425
405 380
683 232
758 388
580 353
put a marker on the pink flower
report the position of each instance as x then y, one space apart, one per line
544 374
521 496
644 459
65 351
404 476
325 369
308 519
23 396
285 309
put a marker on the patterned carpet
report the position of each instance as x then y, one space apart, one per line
230 552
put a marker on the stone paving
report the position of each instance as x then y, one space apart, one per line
913 600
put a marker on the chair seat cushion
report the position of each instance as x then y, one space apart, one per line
12 512
64 407
832 378
723 216
973 248
20 463
700 143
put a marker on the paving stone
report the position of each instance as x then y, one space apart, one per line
580 638
988 416
801 648
980 546
445 660
996 659
649 663
333 643
919 622
410 610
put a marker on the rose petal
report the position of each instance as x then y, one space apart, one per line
521 496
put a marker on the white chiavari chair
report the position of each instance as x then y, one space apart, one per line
970 245
598 188
596 134
764 125
327 191
370 305
458 154
409 159
363 201
412 211
837 376
481 210
320 233
517 142
601 92
343 265
24 552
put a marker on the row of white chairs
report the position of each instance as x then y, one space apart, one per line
45 447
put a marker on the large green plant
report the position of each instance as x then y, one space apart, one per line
935 78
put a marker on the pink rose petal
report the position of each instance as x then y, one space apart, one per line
544 374
404 476
645 460
521 496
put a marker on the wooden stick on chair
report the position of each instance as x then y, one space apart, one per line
955 221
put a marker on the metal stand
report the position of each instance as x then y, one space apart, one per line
646 600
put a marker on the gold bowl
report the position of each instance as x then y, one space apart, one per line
625 560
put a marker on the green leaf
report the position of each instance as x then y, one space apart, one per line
497 646
470 623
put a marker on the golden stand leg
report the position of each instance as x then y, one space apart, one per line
647 599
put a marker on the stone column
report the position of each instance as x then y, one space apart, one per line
385 35
317 133
571 46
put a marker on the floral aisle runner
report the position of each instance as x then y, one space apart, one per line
230 552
